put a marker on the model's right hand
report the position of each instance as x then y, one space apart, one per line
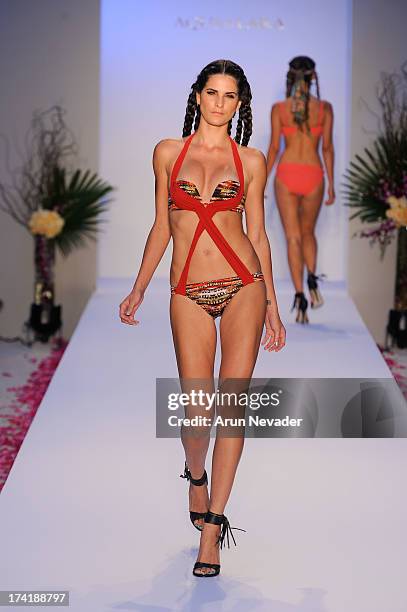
129 306
331 196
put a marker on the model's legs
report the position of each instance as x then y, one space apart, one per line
241 328
288 206
194 335
311 205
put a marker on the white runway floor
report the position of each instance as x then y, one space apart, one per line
94 503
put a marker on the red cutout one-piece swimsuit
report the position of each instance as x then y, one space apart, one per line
183 200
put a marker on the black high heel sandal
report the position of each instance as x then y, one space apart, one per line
316 298
226 529
301 304
197 482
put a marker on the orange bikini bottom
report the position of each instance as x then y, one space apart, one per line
300 179
214 295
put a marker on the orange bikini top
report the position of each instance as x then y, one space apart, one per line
292 129
224 191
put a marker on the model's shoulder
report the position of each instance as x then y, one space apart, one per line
167 146
252 157
325 104
166 151
328 108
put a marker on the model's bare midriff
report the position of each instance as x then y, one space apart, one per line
207 261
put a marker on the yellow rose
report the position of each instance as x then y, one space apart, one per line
399 215
48 223
397 202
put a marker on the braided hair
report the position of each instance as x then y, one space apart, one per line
301 70
193 112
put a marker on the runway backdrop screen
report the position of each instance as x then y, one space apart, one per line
151 53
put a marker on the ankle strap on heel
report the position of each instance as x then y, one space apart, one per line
226 529
215 519
316 276
197 482
299 301
312 279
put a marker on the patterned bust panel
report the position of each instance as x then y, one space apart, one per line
225 190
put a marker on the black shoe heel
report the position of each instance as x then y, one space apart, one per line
316 298
197 482
301 304
226 529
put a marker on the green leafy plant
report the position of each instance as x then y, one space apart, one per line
80 199
46 194
376 182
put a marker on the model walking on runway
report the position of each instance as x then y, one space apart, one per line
299 183
204 184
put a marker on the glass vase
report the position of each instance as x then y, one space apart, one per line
400 301
44 263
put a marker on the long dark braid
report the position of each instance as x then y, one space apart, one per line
189 114
245 119
301 68
193 113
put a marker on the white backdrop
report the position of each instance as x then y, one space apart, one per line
152 52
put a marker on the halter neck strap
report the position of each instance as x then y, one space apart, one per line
236 158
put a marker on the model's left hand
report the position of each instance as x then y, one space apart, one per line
275 334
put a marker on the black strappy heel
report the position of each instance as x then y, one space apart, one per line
226 529
316 298
197 482
301 304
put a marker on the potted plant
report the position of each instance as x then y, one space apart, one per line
376 187
58 204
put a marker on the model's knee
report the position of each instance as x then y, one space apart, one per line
294 240
308 233
197 433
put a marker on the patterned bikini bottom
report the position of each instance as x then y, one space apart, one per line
214 295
